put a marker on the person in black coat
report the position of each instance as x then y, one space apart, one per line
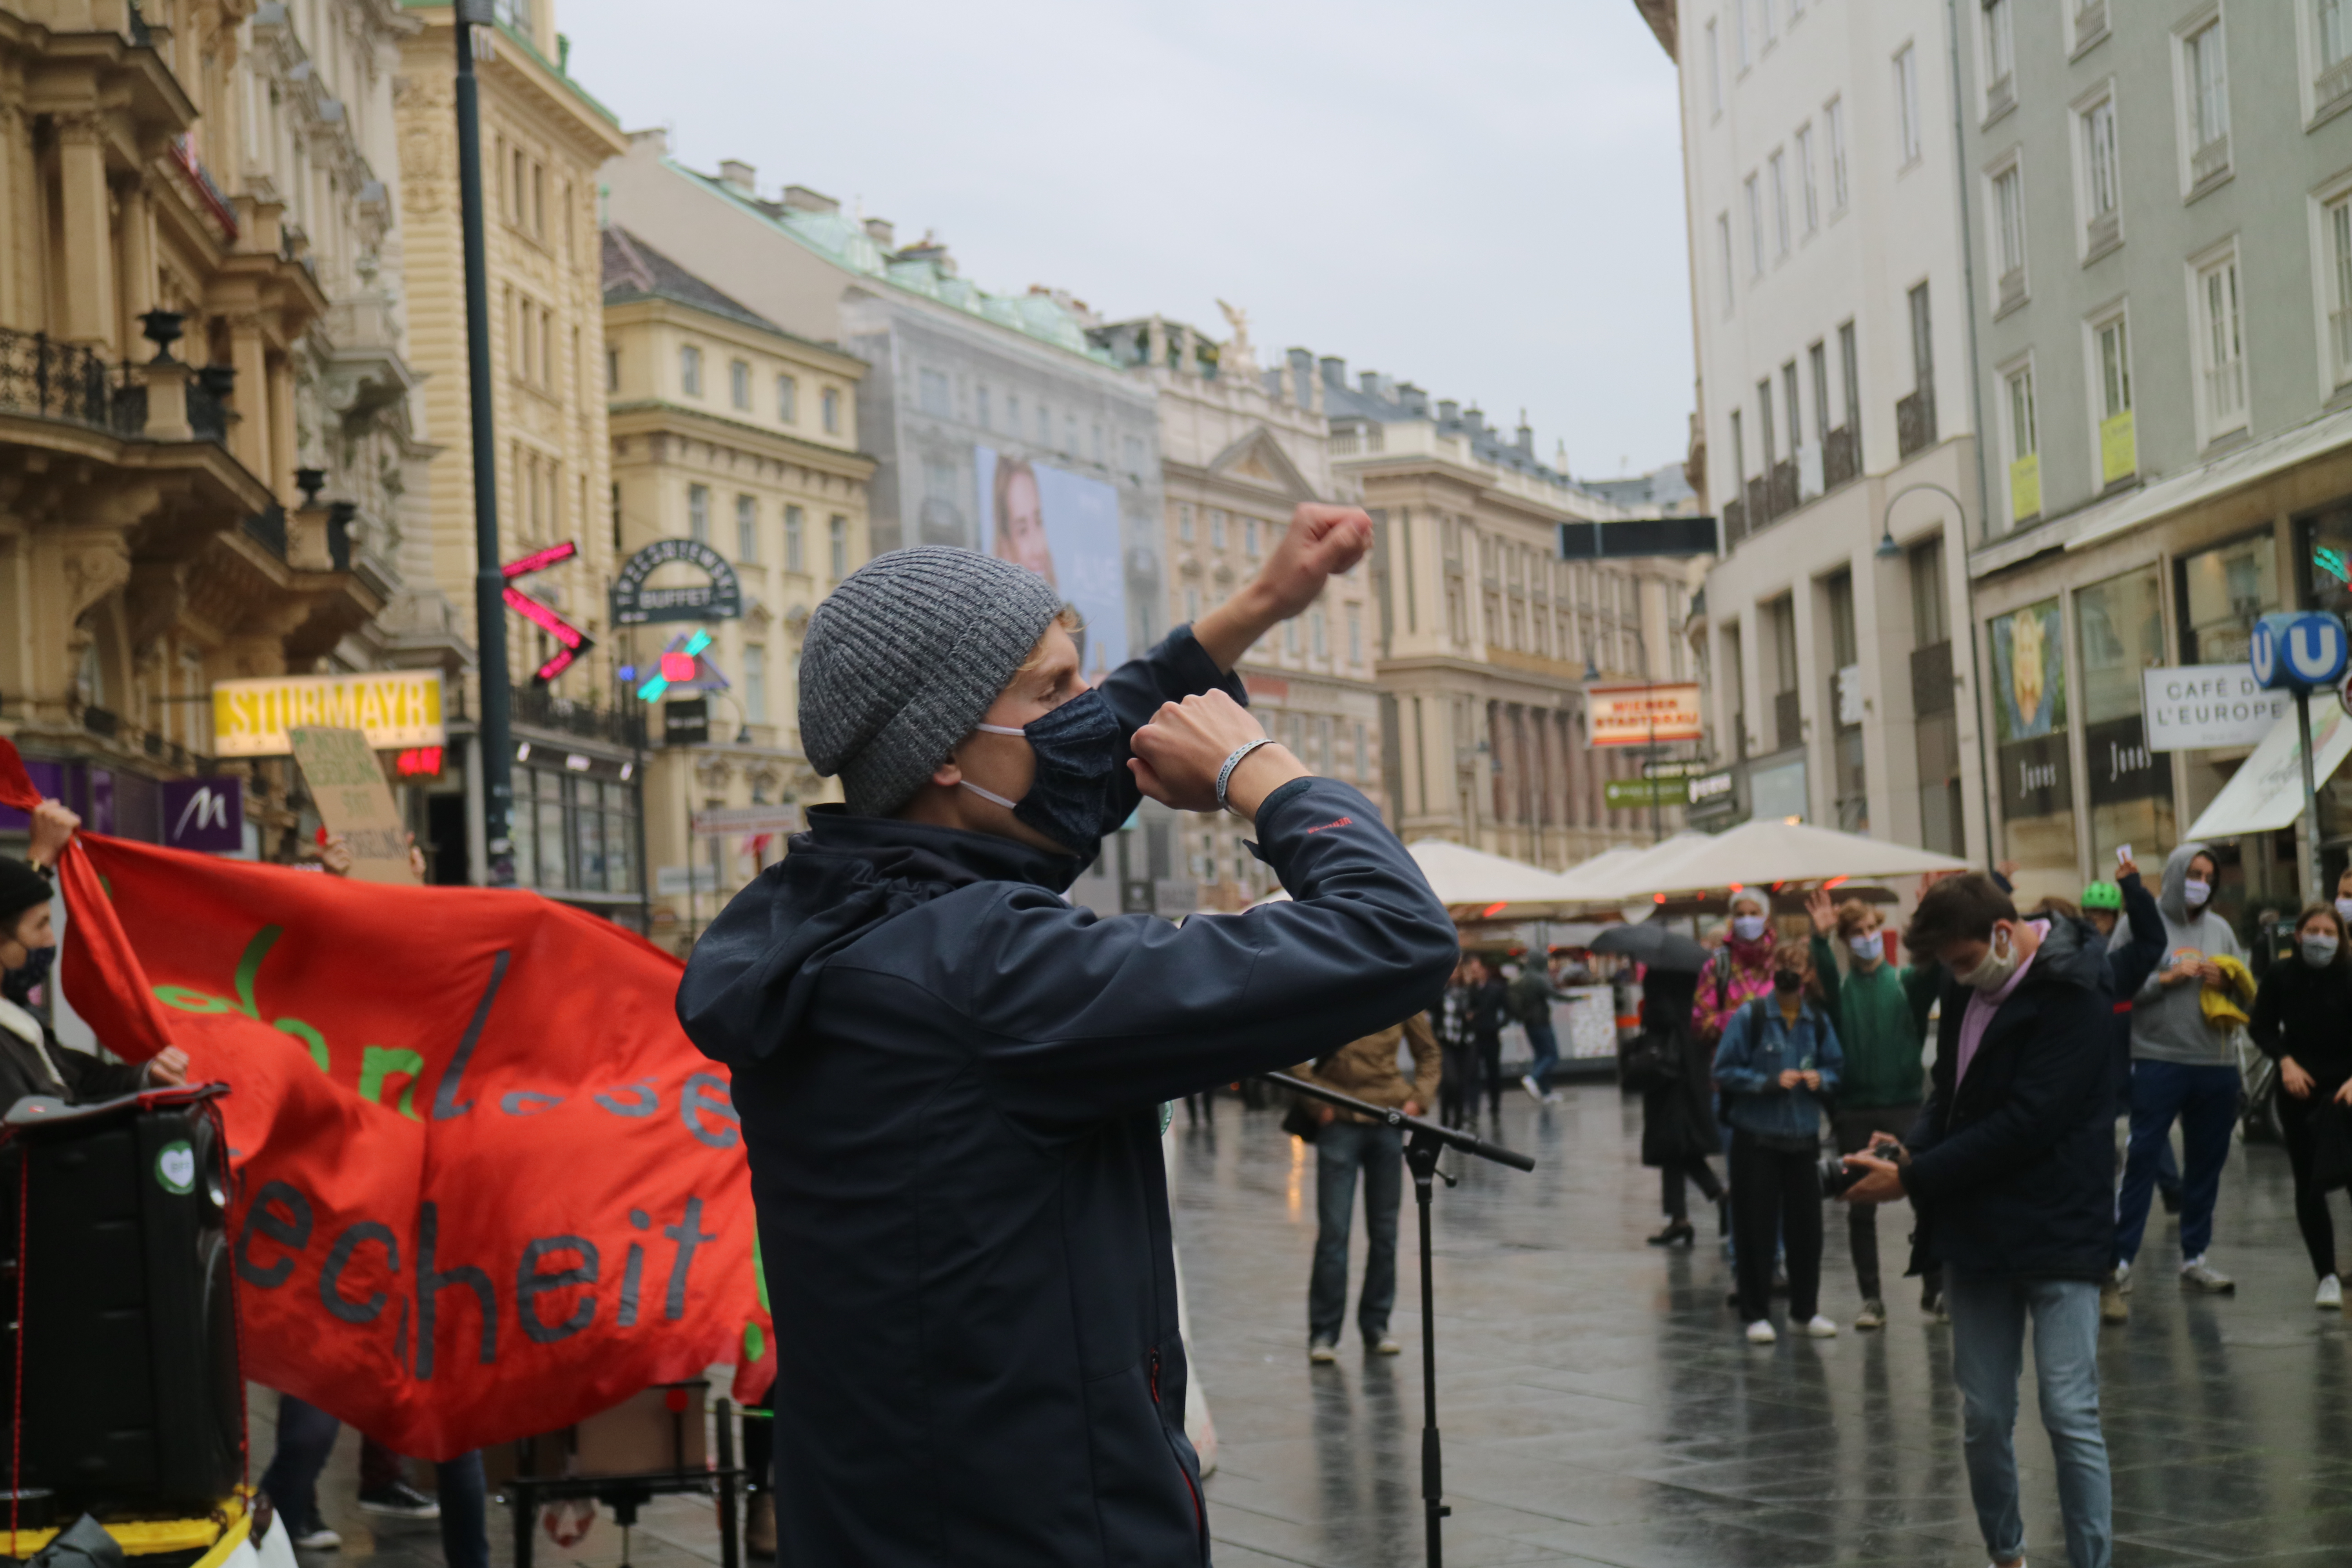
2302 1020
2011 1168
1678 1130
952 1080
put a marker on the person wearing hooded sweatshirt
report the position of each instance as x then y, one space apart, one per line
2183 1069
2010 1168
950 1079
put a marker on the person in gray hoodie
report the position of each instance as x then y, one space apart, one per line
2183 1068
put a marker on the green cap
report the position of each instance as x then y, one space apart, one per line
2102 896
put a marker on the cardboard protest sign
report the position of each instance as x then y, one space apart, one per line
347 784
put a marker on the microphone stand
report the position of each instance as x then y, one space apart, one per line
1423 1140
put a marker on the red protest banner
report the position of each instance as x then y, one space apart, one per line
484 1184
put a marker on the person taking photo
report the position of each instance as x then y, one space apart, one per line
952 1080
2303 1021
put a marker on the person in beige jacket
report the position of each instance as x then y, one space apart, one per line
1366 1068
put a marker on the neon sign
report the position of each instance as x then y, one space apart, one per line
570 642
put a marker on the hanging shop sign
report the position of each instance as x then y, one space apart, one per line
1630 794
2195 707
1640 713
636 605
395 709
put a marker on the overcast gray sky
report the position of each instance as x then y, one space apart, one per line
1485 201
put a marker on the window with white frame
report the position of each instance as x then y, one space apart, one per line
1906 103
2336 235
1806 182
2009 235
1713 70
2328 54
788 399
738 383
2022 432
1772 27
2102 182
1755 228
1819 357
689 371
1739 39
2220 345
2000 55
1723 245
697 513
1778 165
747 529
794 555
2111 398
1833 117
2205 102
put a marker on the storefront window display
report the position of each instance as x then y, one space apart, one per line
2119 630
2036 782
2222 592
573 834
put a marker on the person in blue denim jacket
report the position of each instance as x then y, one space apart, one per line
1778 1065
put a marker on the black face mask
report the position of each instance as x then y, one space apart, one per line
1077 747
17 985
1788 982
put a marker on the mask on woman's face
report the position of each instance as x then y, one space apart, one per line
1788 982
1866 945
2318 948
2196 890
18 983
2344 907
1748 928
1999 964
1077 747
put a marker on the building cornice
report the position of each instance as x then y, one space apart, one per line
648 309
653 416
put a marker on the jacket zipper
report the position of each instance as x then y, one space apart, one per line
1199 1518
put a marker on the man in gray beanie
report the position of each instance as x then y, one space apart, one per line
949 1079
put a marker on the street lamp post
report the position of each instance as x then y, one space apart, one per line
490 582
1889 551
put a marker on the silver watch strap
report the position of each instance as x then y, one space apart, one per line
1225 774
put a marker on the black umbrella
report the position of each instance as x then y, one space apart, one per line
1652 944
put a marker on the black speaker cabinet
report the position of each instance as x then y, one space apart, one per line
132 1398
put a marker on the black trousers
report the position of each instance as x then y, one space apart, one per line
2310 1214
1770 1190
1854 1129
1699 1173
1490 1058
1457 1087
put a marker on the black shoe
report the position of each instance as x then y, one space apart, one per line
1677 1231
2171 1198
399 1500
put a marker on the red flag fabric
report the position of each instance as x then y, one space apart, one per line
484 1184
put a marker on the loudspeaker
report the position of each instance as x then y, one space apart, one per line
132 1397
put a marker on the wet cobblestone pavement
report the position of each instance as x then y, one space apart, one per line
1599 1405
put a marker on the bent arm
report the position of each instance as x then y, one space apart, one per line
2054 1082
1826 971
1176 669
1428 1060
2265 1024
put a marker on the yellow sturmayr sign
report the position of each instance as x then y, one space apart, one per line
395 709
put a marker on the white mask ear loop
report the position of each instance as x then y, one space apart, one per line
1000 728
989 794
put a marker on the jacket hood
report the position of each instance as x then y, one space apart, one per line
2172 901
753 974
2072 951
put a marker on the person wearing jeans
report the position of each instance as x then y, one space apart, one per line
1531 996
2010 1168
306 1436
1350 1142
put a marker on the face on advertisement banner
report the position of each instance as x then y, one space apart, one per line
1021 520
1066 528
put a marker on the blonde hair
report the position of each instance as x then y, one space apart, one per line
1069 620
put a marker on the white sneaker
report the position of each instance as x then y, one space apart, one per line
1820 1328
2202 1276
2331 1295
1759 1332
1534 1089
316 1537
1322 1353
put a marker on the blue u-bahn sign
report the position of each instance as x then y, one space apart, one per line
2298 651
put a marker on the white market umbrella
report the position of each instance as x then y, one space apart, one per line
1601 865
1660 867
1757 853
1487 887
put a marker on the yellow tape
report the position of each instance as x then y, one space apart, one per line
144 1537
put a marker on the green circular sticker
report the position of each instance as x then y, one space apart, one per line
175 1167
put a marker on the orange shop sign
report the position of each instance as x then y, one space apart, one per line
1636 713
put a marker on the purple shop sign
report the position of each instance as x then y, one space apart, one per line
48 782
206 814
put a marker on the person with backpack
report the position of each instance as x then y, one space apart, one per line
1531 994
1776 1065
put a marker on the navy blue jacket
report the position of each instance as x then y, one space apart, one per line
949 1082
2013 1170
2133 952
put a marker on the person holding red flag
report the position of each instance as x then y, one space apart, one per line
952 1080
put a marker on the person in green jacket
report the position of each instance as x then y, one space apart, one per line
1880 1012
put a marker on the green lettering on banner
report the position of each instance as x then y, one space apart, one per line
379 1062
248 970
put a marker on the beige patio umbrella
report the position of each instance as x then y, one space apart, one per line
1759 854
1475 885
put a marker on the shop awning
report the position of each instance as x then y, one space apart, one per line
2266 792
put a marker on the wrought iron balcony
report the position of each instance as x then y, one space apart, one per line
1839 463
64 381
1915 422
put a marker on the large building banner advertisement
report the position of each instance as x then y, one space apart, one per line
1066 528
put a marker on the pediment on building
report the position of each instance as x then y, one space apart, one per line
1258 459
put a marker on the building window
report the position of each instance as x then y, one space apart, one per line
1755 228
1249 537
788 399
1217 527
1183 524
1818 360
1833 117
2221 349
2111 409
2331 25
739 385
1806 183
2205 103
1790 407
794 559
829 402
2000 55
1922 341
1713 70
1772 27
1906 103
931 389
1723 245
1290 638
697 513
1779 165
1739 38
1192 605
1738 456
2024 447
689 371
980 407
2335 220
1764 424
1361 760
755 682
2102 178
1850 367
2009 237
1319 636
747 529
611 370
1355 635
836 532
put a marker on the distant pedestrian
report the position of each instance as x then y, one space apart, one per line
1531 994
1777 1064
2302 1020
1348 1143
1473 1017
1457 1092
1881 1011
2184 1069
2125 916
2009 1167
1678 1117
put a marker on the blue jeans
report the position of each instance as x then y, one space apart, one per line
306 1436
1988 1323
1379 1151
2204 1100
1546 1045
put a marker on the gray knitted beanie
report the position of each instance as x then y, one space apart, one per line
904 657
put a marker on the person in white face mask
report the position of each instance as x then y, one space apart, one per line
2299 1022
2184 1069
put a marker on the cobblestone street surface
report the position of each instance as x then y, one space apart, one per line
1600 1407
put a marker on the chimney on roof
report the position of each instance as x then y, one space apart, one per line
800 198
1335 372
737 176
1475 420
933 249
1526 435
882 232
654 139
1448 411
1368 382
1415 401
1301 364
